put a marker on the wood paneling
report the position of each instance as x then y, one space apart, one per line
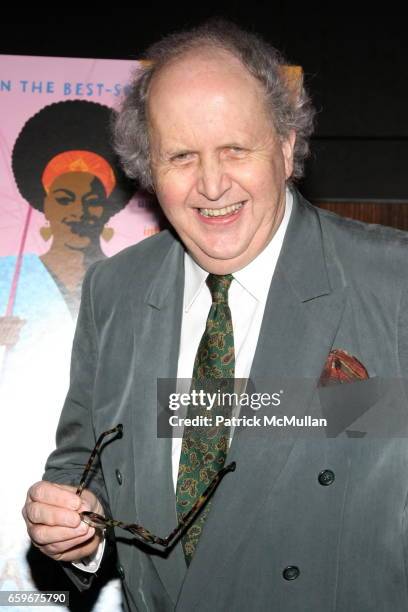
394 214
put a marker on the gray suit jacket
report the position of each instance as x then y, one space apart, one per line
338 284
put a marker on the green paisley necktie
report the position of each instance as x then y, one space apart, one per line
204 449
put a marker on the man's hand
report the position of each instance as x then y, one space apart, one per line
51 513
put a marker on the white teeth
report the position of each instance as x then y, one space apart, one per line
219 212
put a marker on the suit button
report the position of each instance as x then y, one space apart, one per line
121 572
291 572
119 476
326 478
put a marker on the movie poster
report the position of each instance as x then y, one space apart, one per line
65 203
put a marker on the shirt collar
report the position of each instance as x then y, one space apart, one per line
255 278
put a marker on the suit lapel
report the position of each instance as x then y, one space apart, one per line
302 315
157 328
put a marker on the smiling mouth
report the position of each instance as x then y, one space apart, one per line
221 212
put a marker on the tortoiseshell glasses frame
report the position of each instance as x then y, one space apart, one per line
144 535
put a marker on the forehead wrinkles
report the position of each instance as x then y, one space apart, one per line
202 92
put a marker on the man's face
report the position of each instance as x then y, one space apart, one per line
218 166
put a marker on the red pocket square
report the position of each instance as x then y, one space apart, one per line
340 367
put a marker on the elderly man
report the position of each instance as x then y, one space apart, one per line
253 283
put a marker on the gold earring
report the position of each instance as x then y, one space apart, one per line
46 232
107 233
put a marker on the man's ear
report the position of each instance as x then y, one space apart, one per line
288 146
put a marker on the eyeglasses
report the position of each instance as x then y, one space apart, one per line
144 535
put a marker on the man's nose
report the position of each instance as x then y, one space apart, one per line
213 181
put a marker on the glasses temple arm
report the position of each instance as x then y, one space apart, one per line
117 429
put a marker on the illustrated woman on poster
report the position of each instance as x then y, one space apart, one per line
64 166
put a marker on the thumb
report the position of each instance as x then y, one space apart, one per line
90 502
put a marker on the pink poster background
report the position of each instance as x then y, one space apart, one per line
35 381
26 85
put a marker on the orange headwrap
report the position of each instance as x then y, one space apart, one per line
79 161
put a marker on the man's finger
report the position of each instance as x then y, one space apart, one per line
54 495
40 513
51 548
42 535
76 548
78 552
63 547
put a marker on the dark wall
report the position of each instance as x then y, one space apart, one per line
356 68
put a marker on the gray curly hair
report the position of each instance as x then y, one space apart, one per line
290 105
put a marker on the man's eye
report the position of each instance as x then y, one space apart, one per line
181 156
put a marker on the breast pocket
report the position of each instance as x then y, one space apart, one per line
346 406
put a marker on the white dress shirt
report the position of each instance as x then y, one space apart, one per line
247 297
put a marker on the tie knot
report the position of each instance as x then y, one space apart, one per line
219 284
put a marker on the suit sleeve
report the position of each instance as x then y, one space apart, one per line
75 436
403 334
403 367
